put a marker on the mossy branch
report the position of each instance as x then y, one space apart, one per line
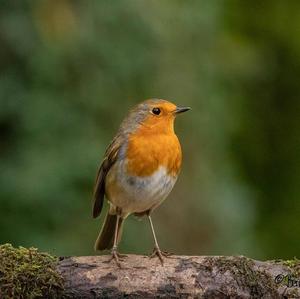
26 273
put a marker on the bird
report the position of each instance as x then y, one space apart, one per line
138 171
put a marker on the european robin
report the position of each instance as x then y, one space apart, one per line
139 169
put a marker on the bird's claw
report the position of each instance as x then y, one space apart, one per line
115 255
160 254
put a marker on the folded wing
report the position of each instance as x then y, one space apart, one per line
110 158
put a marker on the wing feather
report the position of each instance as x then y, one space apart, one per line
110 158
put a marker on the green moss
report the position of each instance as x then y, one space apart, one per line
27 273
293 265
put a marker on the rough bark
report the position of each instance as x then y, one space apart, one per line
180 277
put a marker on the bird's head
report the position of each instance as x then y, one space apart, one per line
156 115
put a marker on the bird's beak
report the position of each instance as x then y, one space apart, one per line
181 109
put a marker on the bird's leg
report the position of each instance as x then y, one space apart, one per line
114 252
120 255
156 250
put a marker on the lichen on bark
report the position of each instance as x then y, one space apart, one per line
28 273
243 270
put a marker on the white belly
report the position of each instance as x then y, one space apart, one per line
137 194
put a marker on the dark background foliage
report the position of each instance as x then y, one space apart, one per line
69 72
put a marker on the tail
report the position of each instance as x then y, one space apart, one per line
105 239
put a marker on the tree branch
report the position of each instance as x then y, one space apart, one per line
180 277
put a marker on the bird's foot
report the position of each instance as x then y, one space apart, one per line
160 254
115 255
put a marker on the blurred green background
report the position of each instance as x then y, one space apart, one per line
69 72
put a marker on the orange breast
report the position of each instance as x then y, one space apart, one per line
146 152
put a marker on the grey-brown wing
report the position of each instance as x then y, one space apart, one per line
99 190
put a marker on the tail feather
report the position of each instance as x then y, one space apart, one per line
105 239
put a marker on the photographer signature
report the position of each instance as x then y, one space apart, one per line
287 280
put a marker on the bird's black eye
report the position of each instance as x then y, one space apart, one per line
156 111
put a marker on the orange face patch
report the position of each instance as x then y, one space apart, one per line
154 144
160 118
